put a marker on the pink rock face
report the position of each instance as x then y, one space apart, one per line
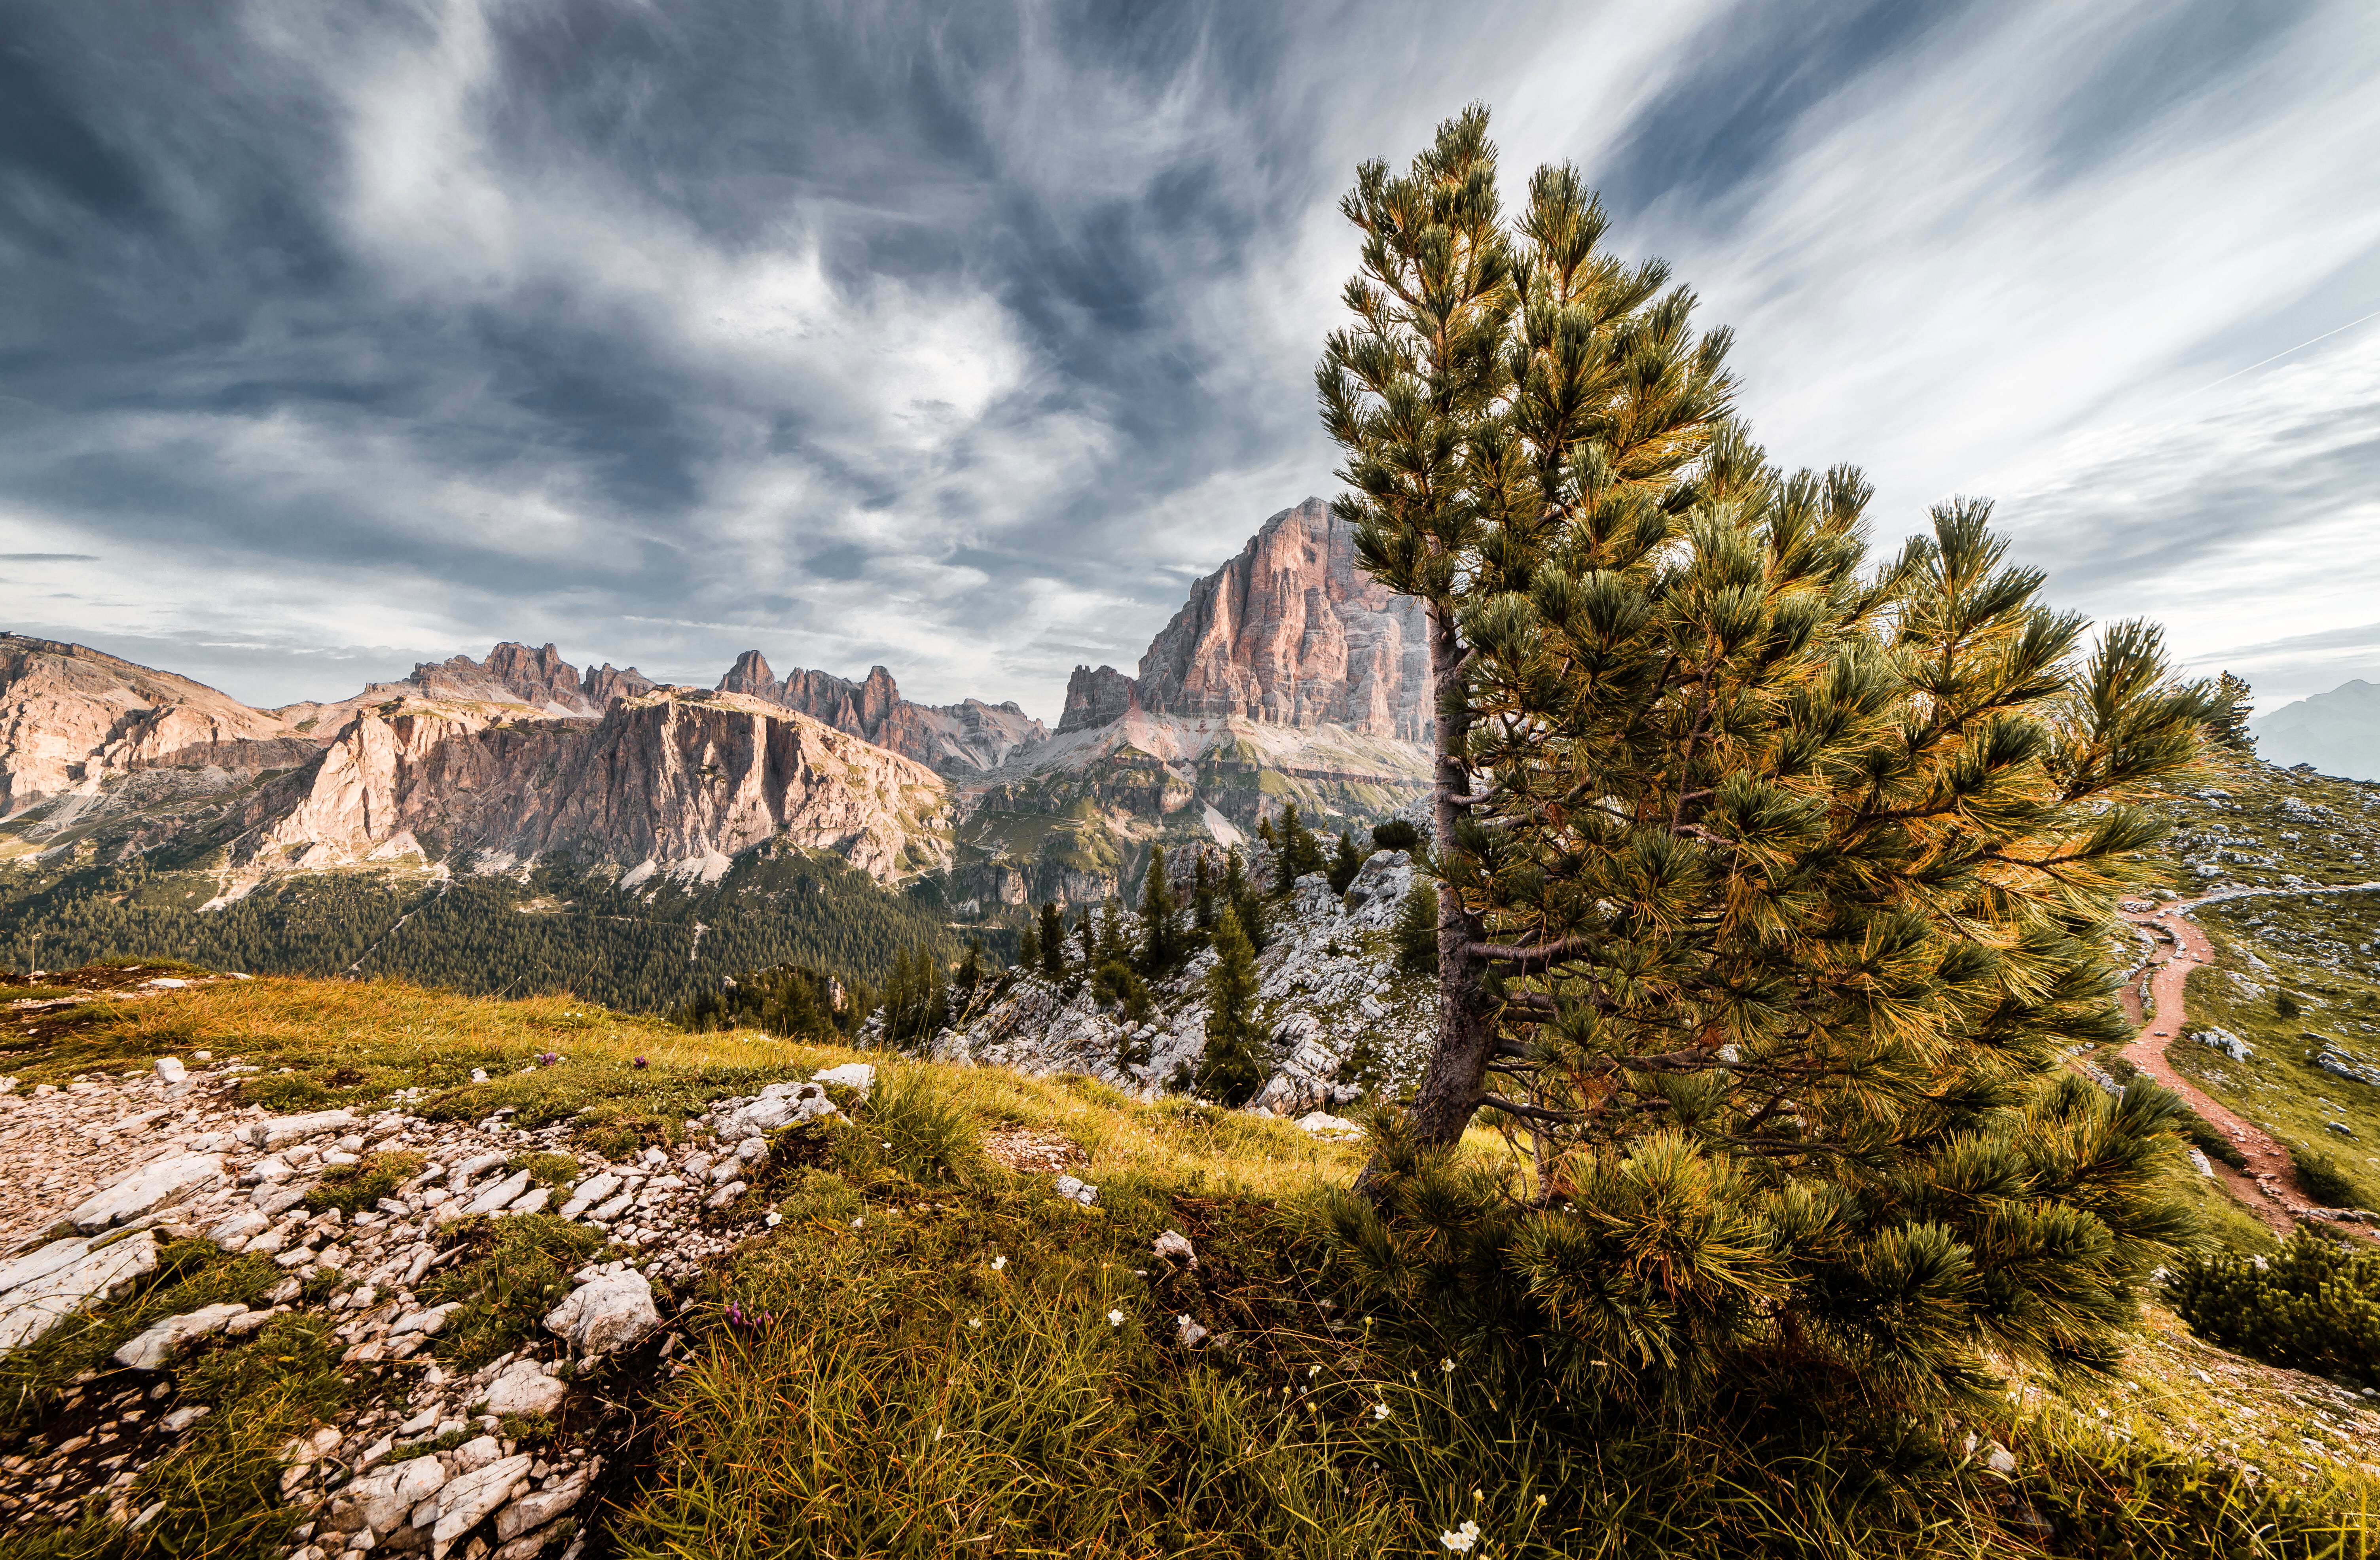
1293 632
72 720
663 778
956 739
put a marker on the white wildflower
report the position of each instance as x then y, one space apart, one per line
975 1321
1462 1539
859 1223
1446 1365
1379 1410
1115 1318
998 1262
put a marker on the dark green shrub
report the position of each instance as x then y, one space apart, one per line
1115 981
1396 835
2285 1005
2313 1306
2324 1179
1345 863
2204 1137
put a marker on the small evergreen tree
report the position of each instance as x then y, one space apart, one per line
1296 852
1115 981
1202 897
1240 897
1086 933
1417 929
916 1002
2235 705
1028 948
1345 863
1231 1067
1160 934
1114 946
1053 941
969 983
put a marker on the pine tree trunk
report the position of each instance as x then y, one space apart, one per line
1457 1073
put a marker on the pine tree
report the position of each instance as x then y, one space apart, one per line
1028 948
1160 947
1231 1067
2235 705
1773 887
1417 929
1296 852
1240 897
1053 941
1114 946
1345 863
969 984
1086 933
1202 897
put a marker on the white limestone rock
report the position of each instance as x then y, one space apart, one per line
160 1182
497 1196
523 1387
531 1512
609 1312
589 1193
44 1288
463 1501
279 1131
857 1076
154 1347
385 1499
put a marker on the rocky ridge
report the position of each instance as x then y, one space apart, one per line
956 740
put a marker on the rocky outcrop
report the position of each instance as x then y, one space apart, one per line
958 739
1293 632
74 719
668 779
1094 698
1341 1020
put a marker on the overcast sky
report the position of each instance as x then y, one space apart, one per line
961 338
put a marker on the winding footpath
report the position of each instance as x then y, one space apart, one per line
2268 1187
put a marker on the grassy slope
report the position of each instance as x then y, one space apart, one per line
891 1390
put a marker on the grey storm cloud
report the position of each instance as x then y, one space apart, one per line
958 337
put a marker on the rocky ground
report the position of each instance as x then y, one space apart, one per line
1345 1022
475 1462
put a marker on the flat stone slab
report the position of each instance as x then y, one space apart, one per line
155 1346
280 1132
160 1181
71 1279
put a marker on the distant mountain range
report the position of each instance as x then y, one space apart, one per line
1288 676
2338 733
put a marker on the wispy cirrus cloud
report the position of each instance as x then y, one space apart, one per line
958 338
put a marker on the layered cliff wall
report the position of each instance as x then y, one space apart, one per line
671 778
